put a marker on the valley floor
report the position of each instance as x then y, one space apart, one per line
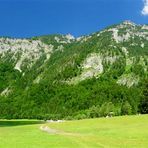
116 132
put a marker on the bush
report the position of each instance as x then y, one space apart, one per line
68 118
94 111
126 108
107 109
143 106
80 116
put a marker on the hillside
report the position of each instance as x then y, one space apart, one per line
59 76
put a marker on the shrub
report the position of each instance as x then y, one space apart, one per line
126 108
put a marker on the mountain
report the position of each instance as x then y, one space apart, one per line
59 76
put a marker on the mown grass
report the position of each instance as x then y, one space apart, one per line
123 132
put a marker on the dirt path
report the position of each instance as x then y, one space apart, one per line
49 130
54 131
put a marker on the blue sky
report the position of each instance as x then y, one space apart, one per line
27 18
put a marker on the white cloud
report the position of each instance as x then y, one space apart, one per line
145 9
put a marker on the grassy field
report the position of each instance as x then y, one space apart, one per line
120 132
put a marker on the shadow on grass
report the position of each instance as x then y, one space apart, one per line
4 123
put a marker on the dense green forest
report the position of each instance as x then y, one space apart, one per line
60 77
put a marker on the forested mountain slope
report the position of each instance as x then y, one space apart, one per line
59 76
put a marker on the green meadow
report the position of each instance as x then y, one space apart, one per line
116 132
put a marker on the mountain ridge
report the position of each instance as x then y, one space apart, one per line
63 70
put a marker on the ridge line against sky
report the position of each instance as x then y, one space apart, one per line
28 18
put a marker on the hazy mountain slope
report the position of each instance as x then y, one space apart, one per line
59 75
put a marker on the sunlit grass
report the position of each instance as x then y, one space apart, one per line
126 131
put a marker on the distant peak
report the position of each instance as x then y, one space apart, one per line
128 22
70 37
